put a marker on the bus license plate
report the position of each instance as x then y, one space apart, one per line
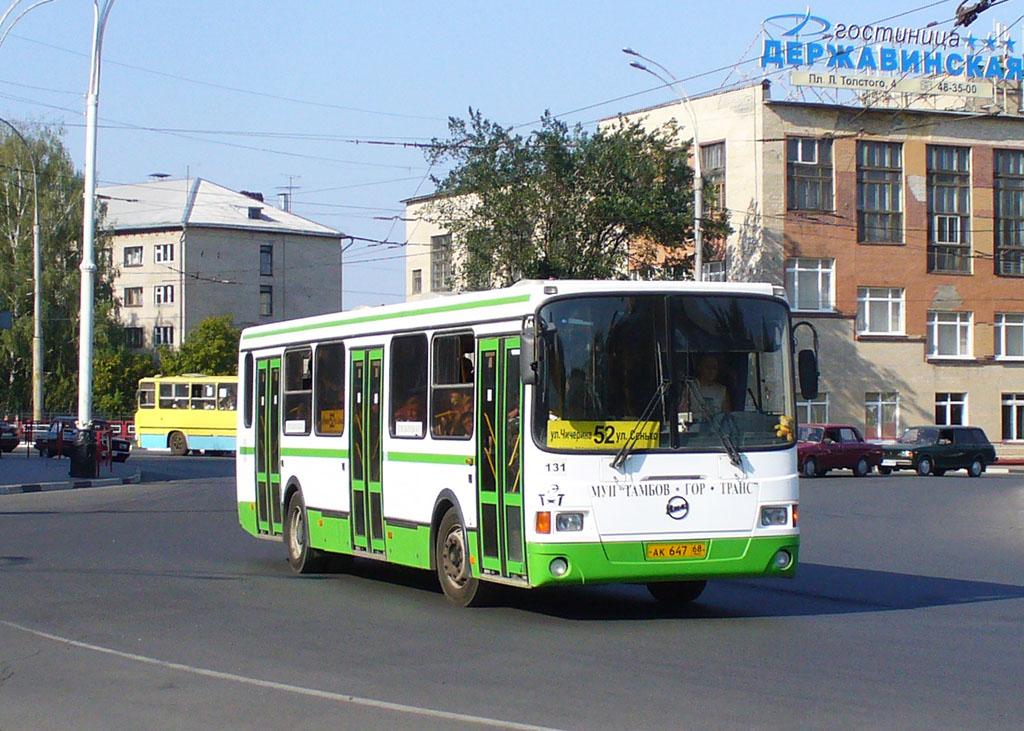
689 549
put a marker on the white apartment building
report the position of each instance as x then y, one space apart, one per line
187 249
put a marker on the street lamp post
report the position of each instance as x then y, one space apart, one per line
83 462
37 299
698 180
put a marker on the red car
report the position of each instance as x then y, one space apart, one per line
824 447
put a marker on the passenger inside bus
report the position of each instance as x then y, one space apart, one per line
709 386
456 420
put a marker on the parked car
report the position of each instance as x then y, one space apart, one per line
932 450
824 447
8 436
60 439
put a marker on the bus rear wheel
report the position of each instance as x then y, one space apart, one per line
676 592
178 444
451 556
303 558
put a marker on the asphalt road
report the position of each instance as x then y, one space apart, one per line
146 606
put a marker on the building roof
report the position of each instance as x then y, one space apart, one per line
176 203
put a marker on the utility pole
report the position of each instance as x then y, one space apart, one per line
83 458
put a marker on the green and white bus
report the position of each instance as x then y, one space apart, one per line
550 433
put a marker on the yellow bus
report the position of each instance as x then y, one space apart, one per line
189 412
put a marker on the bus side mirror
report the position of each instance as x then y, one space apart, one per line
528 351
807 367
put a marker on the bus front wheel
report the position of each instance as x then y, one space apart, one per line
303 558
676 592
178 444
452 560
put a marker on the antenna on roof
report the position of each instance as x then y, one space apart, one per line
284 197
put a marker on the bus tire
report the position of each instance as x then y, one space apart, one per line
302 558
178 443
451 554
676 592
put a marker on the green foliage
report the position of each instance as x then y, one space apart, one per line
60 188
210 348
566 203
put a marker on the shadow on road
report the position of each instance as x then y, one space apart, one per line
817 590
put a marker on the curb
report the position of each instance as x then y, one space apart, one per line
70 485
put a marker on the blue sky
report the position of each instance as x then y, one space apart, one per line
254 95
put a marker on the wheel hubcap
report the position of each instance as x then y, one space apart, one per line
453 558
297 533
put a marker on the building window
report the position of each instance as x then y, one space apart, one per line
951 409
266 260
712 169
814 411
133 256
881 414
713 271
298 390
810 284
1009 203
163 294
949 334
879 192
133 296
266 299
880 311
1013 417
440 262
329 374
417 281
163 335
809 174
949 209
133 337
163 252
451 391
409 386
1009 332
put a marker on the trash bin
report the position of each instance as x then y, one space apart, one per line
84 462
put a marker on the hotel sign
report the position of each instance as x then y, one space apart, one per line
850 56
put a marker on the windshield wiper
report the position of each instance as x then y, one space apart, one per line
693 395
634 435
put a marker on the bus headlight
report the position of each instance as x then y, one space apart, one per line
558 566
774 515
782 559
569 522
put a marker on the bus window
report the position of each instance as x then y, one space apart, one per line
329 374
203 397
173 395
409 386
147 395
247 389
298 390
451 395
226 396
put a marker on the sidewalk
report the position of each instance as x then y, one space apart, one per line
20 473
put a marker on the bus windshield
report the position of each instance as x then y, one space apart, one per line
694 372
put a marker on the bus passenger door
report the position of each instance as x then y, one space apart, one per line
268 440
365 450
499 463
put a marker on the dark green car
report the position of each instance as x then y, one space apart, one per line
932 450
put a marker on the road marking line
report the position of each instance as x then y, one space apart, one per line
286 687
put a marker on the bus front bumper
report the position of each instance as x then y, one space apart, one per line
602 563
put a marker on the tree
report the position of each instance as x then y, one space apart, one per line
210 348
566 203
60 213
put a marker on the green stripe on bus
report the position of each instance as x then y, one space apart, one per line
313 452
390 316
246 450
462 459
